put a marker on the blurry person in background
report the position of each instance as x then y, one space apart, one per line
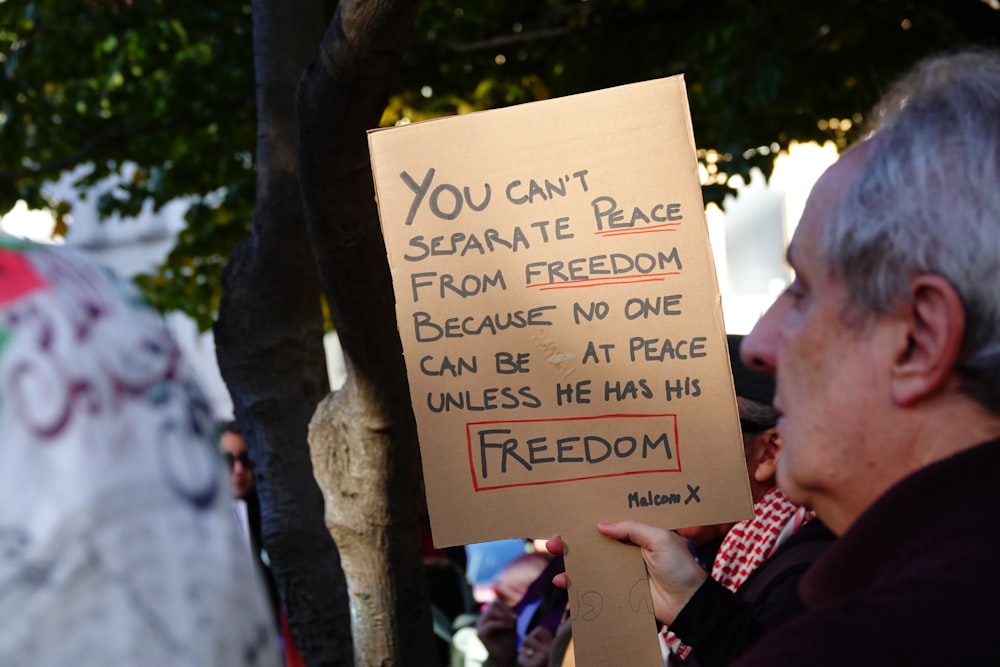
246 508
519 625
234 451
246 505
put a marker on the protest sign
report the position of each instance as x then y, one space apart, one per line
560 315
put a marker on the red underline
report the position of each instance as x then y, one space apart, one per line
600 282
667 227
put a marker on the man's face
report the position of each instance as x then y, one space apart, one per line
240 472
830 390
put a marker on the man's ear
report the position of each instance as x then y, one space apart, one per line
933 325
766 448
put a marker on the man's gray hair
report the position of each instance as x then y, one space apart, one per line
928 202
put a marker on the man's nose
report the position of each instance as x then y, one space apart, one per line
759 348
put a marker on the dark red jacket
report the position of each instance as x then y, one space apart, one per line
912 582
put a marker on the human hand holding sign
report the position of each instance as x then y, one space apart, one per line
674 575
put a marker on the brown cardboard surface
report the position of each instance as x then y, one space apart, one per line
557 301
609 602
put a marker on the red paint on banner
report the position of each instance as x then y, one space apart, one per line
18 277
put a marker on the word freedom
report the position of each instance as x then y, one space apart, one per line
500 451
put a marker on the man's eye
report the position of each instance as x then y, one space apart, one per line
796 292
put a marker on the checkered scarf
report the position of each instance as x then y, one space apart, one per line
745 547
749 542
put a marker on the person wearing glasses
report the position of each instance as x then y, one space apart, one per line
234 451
246 506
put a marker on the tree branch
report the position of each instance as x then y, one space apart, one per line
83 154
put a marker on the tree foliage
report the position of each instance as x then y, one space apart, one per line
759 75
164 87
167 86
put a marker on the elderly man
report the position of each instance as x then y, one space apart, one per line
886 351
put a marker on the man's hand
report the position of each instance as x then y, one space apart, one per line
557 547
674 575
535 648
496 628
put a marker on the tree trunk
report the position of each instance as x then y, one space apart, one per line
363 438
269 345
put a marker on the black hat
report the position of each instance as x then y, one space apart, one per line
749 384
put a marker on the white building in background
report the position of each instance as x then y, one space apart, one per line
749 238
748 241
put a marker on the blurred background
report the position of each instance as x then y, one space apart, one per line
214 153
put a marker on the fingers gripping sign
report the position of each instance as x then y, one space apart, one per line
674 576
610 611
671 574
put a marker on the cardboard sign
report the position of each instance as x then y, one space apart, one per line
560 315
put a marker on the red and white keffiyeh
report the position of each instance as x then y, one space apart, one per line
749 542
745 547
